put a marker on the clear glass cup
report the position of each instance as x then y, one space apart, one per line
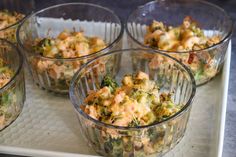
12 94
109 140
24 7
94 20
211 18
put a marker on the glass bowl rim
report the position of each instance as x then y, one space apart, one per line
223 40
102 124
19 68
112 44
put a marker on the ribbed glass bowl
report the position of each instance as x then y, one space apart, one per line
20 6
94 20
212 19
12 94
154 139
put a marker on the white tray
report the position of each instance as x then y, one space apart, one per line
48 125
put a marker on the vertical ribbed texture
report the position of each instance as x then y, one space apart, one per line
217 54
213 20
12 96
94 20
43 78
170 77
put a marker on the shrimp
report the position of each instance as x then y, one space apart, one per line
82 49
3 24
56 71
97 41
187 34
68 54
104 92
155 62
52 52
63 35
123 121
4 81
190 42
42 65
127 80
164 38
2 120
155 35
62 45
156 25
171 44
119 97
141 75
92 111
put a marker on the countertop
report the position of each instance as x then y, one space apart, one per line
124 7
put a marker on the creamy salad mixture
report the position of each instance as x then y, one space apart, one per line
6 98
67 45
7 19
186 37
5 73
137 102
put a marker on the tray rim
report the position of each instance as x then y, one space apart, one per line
224 102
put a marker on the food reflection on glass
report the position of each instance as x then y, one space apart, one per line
57 42
67 45
197 33
8 19
188 37
137 102
5 99
133 110
12 87
5 73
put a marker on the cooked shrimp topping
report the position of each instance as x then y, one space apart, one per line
8 18
136 102
186 37
5 73
69 45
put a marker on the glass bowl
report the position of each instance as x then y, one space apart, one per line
24 7
12 94
204 63
94 20
154 139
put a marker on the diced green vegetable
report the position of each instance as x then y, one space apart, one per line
105 113
39 48
4 69
109 82
134 123
200 70
114 147
5 99
45 42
